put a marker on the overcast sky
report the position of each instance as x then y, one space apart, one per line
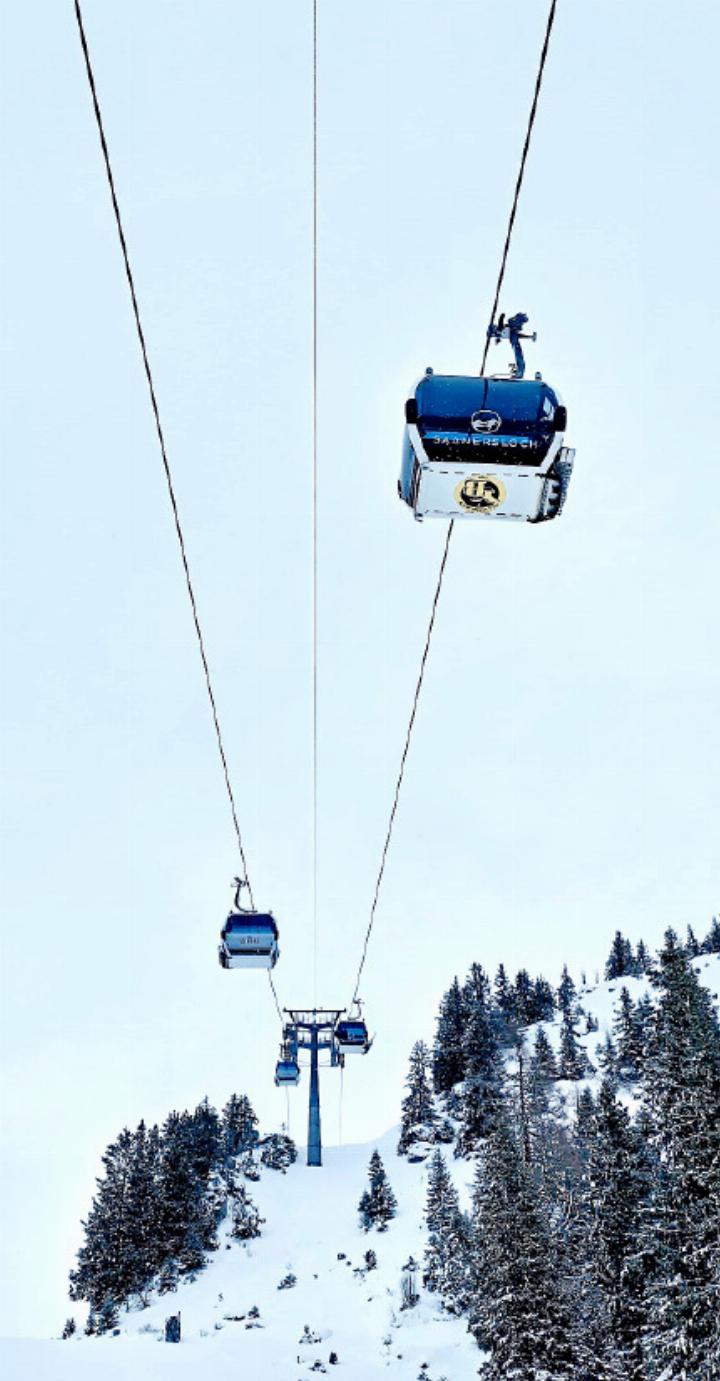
563 779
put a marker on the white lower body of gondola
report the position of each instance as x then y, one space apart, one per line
479 490
250 961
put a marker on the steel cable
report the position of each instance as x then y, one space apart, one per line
451 527
314 425
165 460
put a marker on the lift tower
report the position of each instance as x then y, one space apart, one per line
313 1030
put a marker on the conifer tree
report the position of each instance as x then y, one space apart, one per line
107 1317
278 1151
692 944
682 1091
378 1204
607 1058
239 1125
566 994
104 1261
524 998
446 1268
619 1184
543 1063
206 1139
643 958
573 1062
543 1000
142 1217
476 988
246 1220
504 996
69 1329
585 1115
419 1118
448 1056
627 1045
187 1230
483 1070
518 1313
711 943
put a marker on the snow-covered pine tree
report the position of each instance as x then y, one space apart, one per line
483 1073
187 1221
142 1211
621 960
566 994
477 987
448 1056
543 1000
573 1063
682 1092
606 1052
503 993
278 1151
378 1204
585 1115
628 1044
692 944
447 1254
69 1330
524 998
542 1062
711 943
104 1261
518 1313
419 1119
239 1125
246 1220
108 1316
206 1139
618 1175
643 959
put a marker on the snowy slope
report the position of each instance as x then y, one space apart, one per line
311 1231
600 1001
310 1219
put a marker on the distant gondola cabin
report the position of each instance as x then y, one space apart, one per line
351 1037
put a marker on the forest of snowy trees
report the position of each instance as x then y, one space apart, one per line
591 1249
158 1204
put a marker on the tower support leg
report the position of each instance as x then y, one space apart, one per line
314 1145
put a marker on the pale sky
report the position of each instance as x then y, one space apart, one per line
563 778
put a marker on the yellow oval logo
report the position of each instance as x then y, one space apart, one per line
480 493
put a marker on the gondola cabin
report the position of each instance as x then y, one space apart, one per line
287 1071
351 1037
249 940
486 446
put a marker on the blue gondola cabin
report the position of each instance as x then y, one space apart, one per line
486 446
287 1071
249 940
351 1037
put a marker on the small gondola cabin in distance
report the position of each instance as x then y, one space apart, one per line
351 1036
486 446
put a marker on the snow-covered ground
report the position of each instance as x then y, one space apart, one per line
311 1231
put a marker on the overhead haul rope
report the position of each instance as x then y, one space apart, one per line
165 461
314 425
451 527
